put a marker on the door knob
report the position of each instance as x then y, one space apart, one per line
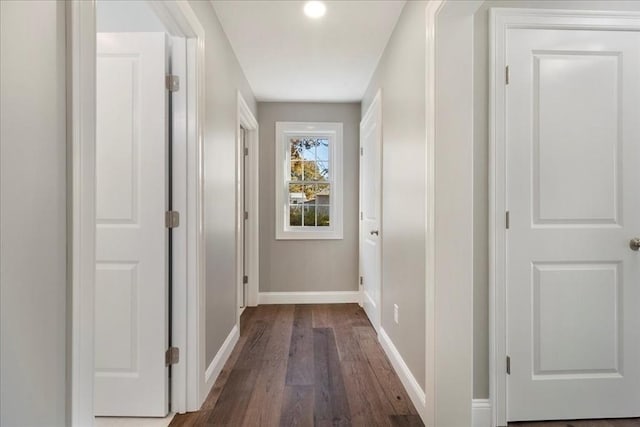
634 244
377 233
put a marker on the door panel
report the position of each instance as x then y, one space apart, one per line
572 338
370 191
131 253
573 284
575 107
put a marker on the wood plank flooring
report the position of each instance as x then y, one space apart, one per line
306 365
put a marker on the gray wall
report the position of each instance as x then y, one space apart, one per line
401 76
481 156
308 265
224 78
33 280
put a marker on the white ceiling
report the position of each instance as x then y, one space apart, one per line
289 57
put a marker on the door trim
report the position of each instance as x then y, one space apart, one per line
81 210
247 120
188 378
502 19
428 408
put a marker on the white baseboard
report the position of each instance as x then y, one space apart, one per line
481 413
133 421
216 365
331 297
416 394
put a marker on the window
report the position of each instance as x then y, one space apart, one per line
308 180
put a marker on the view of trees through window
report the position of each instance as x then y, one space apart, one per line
309 182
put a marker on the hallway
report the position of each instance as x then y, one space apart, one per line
306 365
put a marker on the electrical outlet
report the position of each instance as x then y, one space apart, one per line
395 313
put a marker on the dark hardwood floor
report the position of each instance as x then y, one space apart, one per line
626 422
306 365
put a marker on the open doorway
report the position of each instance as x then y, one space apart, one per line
145 84
242 198
247 202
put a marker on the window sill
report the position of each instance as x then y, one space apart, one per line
309 235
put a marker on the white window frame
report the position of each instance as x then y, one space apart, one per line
332 131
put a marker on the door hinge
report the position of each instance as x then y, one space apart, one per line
361 280
508 365
172 82
172 219
506 220
361 215
362 151
172 356
246 151
245 279
246 215
506 75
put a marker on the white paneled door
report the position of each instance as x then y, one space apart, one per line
370 195
131 315
573 195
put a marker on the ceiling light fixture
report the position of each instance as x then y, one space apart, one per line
315 9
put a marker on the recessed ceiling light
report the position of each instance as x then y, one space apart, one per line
315 9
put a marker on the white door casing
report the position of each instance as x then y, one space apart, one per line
131 316
370 210
572 167
247 199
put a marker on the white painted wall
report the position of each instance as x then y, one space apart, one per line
33 261
480 167
401 76
224 78
308 265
